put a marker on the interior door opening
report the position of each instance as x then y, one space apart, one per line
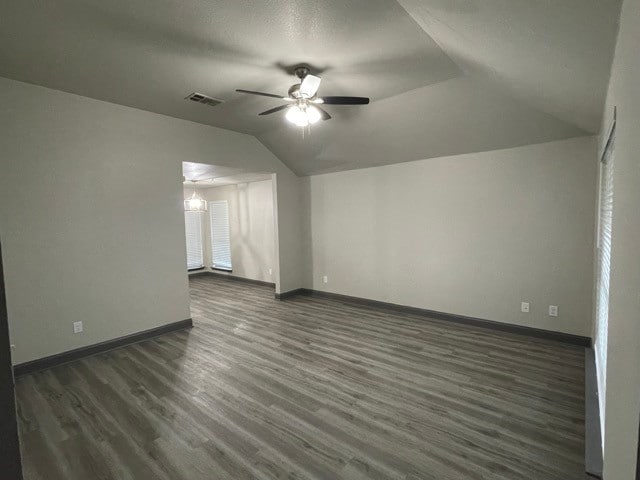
230 223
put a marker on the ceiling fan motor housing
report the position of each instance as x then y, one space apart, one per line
294 91
301 72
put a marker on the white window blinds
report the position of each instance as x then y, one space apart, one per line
605 222
220 235
193 229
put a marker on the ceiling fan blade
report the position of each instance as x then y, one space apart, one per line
344 100
309 86
274 110
324 114
261 94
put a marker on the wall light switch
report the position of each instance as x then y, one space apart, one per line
524 307
553 310
325 279
77 327
270 271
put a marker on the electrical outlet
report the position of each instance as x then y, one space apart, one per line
553 310
77 327
524 307
325 279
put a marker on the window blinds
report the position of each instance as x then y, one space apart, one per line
220 235
605 221
193 229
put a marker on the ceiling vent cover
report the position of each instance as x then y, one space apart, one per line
205 100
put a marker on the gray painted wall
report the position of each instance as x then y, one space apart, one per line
91 215
623 350
290 239
471 235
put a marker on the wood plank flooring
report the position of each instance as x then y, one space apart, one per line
308 388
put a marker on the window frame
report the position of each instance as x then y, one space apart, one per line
187 214
213 204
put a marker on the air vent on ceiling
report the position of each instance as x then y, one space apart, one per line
200 98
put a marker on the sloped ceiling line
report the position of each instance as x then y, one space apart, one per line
445 76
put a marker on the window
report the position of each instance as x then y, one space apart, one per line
193 229
220 236
605 222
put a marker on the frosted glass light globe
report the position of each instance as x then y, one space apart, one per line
313 114
296 115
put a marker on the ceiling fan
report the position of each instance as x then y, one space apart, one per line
302 107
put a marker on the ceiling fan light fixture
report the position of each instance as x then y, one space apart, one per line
313 114
297 116
303 97
303 114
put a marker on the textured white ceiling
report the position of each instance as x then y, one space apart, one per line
459 116
230 180
215 176
445 76
554 55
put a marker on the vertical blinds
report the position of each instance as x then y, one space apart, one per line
193 229
220 235
605 222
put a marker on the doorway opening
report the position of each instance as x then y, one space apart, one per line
230 223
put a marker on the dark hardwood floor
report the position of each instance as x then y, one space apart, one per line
308 388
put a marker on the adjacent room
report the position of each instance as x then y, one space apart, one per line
377 239
229 223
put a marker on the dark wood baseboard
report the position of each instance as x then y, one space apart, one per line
235 278
197 272
592 433
449 317
71 355
290 293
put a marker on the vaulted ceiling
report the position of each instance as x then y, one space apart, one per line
445 76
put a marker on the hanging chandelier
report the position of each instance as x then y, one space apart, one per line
195 203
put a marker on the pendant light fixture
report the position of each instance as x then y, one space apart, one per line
195 203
